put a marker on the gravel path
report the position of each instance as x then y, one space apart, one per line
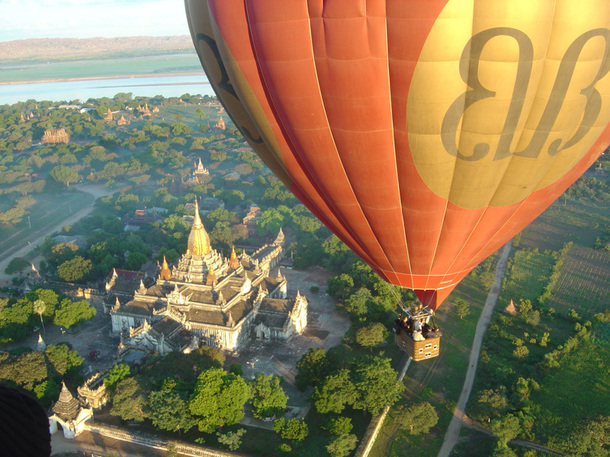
453 432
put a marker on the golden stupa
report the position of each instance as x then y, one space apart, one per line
199 240
166 273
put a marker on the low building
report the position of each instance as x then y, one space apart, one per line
69 413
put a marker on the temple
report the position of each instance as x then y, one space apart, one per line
54 136
206 298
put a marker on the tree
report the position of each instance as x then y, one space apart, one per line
461 308
338 425
376 383
25 371
492 403
312 368
270 222
128 401
71 313
169 411
342 445
74 270
371 335
40 307
64 360
268 398
64 175
218 399
294 429
16 265
231 440
340 287
334 393
521 352
116 374
502 450
134 261
358 303
506 428
417 419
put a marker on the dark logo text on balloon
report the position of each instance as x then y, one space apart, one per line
469 72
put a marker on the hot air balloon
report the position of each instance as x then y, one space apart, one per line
424 133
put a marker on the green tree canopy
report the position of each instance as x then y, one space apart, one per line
312 368
116 374
64 360
461 308
342 445
169 411
506 428
358 303
218 399
129 401
371 335
417 419
16 265
340 287
268 397
338 425
294 429
71 313
231 440
64 175
73 270
376 383
334 393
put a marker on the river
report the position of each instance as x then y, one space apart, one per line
149 86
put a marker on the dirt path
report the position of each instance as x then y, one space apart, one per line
453 432
28 244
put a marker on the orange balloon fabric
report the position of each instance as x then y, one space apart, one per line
424 133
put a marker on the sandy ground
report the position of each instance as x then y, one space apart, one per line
453 432
25 246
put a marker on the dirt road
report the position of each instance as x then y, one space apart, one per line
453 432
26 245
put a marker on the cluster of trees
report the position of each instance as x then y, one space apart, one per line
506 386
365 296
21 315
341 378
198 393
101 151
41 373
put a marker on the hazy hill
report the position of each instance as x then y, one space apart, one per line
57 49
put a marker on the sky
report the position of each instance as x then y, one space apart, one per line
22 19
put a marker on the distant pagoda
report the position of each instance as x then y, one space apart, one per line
54 136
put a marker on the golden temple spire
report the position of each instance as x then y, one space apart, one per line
166 273
233 262
199 240
211 279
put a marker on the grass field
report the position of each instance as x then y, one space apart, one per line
584 283
527 275
146 65
584 374
567 220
